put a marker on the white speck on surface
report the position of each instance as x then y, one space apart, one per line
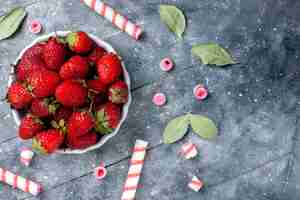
240 94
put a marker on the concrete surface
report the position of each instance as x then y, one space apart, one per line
255 103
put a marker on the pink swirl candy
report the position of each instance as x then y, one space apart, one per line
200 92
166 64
159 99
35 27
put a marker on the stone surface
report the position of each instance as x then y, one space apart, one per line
254 103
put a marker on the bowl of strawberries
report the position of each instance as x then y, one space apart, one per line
69 92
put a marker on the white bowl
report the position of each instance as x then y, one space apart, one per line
17 115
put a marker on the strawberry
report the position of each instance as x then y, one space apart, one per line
107 118
62 113
83 142
95 55
71 93
109 68
43 107
34 51
80 123
48 141
18 96
27 66
96 86
54 54
30 125
79 42
118 92
42 83
75 67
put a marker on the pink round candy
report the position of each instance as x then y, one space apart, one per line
200 92
166 64
35 27
100 171
159 99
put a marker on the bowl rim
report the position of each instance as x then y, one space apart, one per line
125 107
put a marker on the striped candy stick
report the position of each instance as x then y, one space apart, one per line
135 169
114 17
195 184
189 150
19 182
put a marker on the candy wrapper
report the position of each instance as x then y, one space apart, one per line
189 150
195 184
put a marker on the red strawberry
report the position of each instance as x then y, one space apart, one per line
108 118
43 83
48 141
80 123
34 51
109 68
62 113
54 54
96 54
71 93
118 92
96 86
28 65
43 107
29 126
75 67
83 142
98 99
79 42
18 96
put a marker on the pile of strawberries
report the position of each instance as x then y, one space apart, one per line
71 92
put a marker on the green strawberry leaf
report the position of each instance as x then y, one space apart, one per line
203 126
102 125
10 23
36 145
176 129
213 54
173 18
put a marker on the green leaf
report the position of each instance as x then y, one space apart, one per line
10 23
212 53
173 18
2 17
203 126
176 129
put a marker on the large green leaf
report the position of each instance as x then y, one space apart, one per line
10 23
176 129
213 54
203 126
173 18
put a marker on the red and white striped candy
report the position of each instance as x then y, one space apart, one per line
189 150
100 171
195 184
35 27
135 170
159 99
19 182
200 92
114 17
26 156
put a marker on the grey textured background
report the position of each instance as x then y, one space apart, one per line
255 103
